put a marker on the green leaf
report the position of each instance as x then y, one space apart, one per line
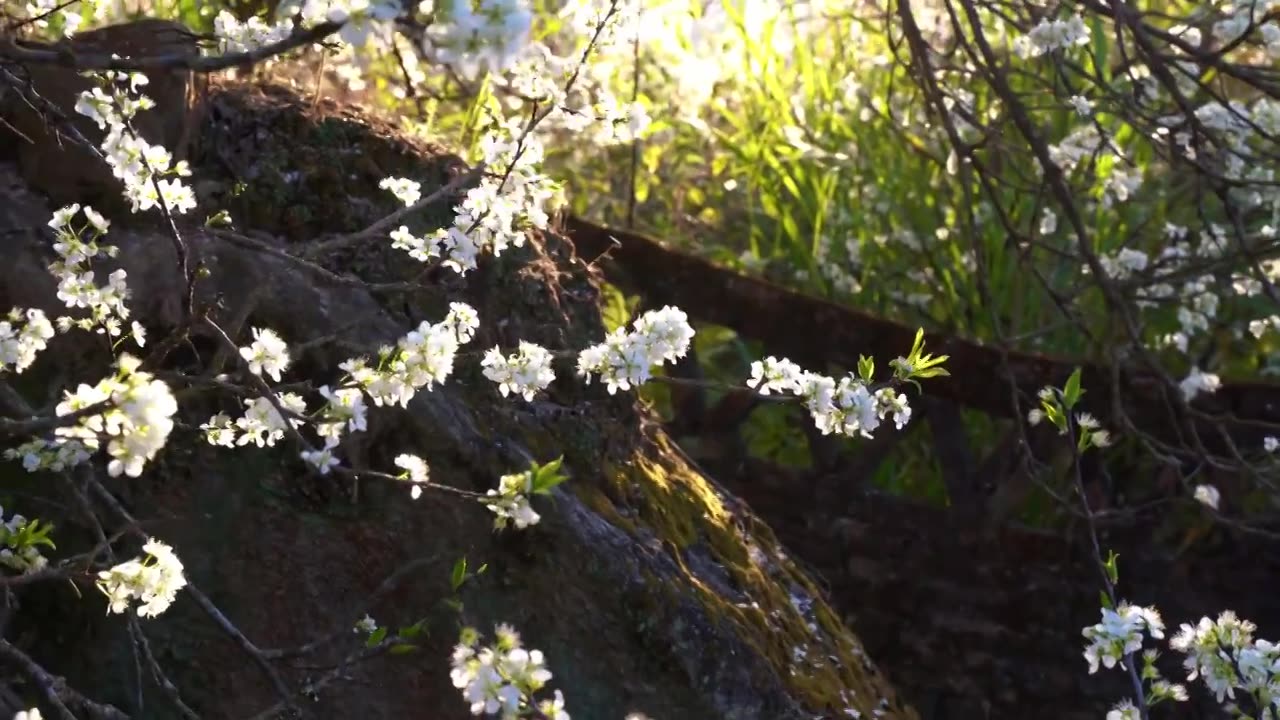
932 372
222 218
866 367
1106 601
1071 392
541 472
1113 569
615 307
402 649
376 637
917 346
1101 48
32 533
546 477
459 574
410 632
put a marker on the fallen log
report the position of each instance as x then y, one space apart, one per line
813 331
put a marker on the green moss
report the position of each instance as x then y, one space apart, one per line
820 664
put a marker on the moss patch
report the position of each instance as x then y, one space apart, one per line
781 614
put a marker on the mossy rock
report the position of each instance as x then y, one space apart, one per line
648 586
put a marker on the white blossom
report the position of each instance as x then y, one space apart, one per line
406 191
154 580
323 460
1050 35
500 679
510 502
416 472
1208 495
1197 382
626 359
147 171
136 421
524 373
268 354
1120 633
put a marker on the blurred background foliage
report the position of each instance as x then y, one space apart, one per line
787 139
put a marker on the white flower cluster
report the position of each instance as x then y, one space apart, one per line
366 625
154 580
503 679
1260 326
76 285
475 37
32 714
140 165
1197 382
1225 655
625 359
1081 104
137 420
415 472
236 37
422 358
1082 145
1235 24
1121 183
345 411
495 214
471 37
1124 262
841 274
40 11
1119 634
1207 495
1124 710
588 110
361 18
1197 298
40 454
1240 16
1050 35
20 342
1089 430
524 373
406 191
261 423
1086 146
353 64
1088 425
845 407
268 353
510 502
323 460
16 551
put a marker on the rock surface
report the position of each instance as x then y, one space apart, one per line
648 586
